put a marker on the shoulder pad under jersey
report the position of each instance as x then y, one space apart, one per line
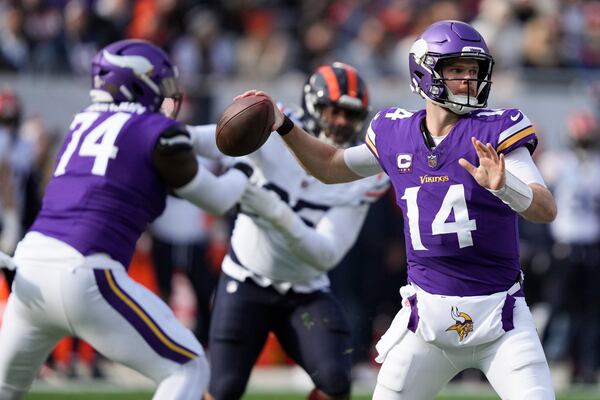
174 139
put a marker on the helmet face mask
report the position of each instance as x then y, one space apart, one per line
340 134
134 71
442 42
335 104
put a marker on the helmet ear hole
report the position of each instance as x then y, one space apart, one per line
137 89
419 74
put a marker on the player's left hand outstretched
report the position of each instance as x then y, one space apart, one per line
490 172
277 112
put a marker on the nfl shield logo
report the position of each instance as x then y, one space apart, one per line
432 160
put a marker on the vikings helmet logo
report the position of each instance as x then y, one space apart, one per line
463 325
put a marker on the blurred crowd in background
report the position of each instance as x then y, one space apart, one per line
264 39
267 37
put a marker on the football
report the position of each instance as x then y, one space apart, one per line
245 125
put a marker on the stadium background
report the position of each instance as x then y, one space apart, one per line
548 64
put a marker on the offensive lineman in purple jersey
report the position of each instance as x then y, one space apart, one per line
461 174
118 162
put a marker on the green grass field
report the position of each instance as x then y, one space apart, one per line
271 396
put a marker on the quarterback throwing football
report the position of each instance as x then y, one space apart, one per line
461 173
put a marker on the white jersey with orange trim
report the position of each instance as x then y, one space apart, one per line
260 252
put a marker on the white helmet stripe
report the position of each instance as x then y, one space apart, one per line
140 65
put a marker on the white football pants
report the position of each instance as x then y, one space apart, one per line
514 364
57 292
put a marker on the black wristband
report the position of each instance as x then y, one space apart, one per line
246 169
286 127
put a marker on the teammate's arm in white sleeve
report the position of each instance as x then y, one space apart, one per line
203 140
178 167
323 246
215 194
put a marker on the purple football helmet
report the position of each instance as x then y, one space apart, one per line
441 41
136 71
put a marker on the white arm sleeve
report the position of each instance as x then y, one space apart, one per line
361 161
203 140
325 245
214 194
520 172
520 164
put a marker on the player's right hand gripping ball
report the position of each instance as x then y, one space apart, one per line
245 125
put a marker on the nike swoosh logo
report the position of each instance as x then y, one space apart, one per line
515 117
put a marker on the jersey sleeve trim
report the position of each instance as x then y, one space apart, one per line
511 130
370 141
529 131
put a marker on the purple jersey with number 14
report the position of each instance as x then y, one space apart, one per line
461 240
105 190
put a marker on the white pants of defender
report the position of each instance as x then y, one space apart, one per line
514 364
55 294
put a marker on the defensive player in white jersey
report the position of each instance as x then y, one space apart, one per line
119 160
292 230
461 174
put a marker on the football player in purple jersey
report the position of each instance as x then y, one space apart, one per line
120 159
462 174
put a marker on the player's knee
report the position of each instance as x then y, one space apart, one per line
334 380
201 370
197 371
227 386
189 381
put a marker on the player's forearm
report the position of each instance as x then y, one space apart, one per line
312 248
203 140
321 160
324 246
543 207
217 195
